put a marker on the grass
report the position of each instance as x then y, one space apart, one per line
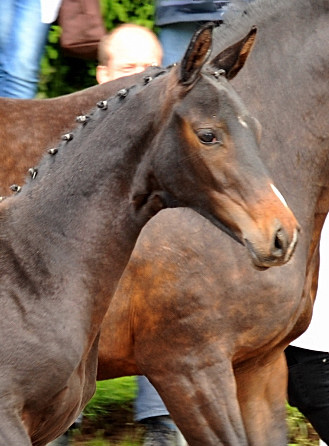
108 419
111 393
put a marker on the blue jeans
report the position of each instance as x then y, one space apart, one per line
308 386
148 402
175 39
22 42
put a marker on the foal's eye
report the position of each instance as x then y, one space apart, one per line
207 136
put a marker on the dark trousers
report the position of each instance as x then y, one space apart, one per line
308 386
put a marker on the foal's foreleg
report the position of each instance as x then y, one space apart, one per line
12 431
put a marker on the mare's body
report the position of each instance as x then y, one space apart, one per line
66 238
205 327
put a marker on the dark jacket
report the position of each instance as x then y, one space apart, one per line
177 11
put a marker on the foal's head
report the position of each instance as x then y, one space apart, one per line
212 134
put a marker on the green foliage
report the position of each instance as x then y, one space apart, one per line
127 11
62 75
111 394
300 431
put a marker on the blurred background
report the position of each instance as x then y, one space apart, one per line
61 74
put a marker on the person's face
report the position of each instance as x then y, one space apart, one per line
125 64
129 56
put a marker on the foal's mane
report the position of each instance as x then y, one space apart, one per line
88 124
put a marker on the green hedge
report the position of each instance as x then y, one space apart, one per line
62 75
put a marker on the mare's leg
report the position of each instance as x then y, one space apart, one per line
262 388
198 388
153 414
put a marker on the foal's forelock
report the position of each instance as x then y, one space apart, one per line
228 98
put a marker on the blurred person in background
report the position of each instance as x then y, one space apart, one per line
24 26
179 19
128 49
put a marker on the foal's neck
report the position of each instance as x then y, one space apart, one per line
77 212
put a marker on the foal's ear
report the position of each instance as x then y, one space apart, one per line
196 54
234 57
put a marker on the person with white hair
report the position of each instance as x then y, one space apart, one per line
128 49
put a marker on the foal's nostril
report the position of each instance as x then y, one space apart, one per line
280 243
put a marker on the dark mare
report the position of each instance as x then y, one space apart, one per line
208 329
182 139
